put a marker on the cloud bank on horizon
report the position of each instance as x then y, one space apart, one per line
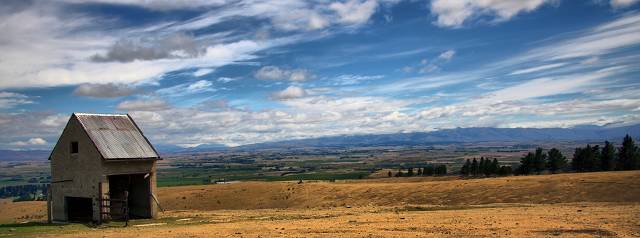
238 72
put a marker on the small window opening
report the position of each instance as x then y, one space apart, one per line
74 147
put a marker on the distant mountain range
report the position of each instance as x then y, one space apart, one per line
168 149
461 135
23 155
445 136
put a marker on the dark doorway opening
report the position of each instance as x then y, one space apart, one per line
79 209
132 191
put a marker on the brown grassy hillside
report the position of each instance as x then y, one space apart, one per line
545 189
574 187
13 211
566 205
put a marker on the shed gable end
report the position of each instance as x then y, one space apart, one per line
72 142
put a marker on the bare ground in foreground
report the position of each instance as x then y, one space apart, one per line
570 220
587 204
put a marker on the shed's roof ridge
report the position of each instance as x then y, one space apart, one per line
99 114
116 136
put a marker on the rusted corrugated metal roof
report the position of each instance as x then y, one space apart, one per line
116 136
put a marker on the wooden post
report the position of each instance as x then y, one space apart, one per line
49 204
126 208
100 203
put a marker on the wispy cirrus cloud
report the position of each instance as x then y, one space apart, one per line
185 89
143 105
537 68
622 3
160 5
447 55
429 65
456 13
246 71
11 99
522 96
277 73
61 51
351 79
597 41
108 90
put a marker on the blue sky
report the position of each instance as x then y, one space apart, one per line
238 72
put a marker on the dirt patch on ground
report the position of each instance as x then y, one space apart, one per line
576 232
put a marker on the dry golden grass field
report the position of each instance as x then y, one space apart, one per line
603 204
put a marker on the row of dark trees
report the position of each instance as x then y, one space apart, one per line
539 161
595 158
484 167
24 192
585 159
429 170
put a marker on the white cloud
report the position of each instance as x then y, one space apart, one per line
304 117
270 73
447 55
161 5
43 46
61 50
537 68
56 120
11 99
622 3
37 141
143 105
176 45
591 60
317 21
300 19
600 40
299 75
434 65
47 45
429 68
402 53
184 89
437 112
226 79
25 126
199 86
549 86
354 11
290 93
12 95
572 121
202 72
131 72
108 90
456 13
30 142
353 79
276 73
36 39
291 15
520 113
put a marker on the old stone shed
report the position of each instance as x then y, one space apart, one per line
102 167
